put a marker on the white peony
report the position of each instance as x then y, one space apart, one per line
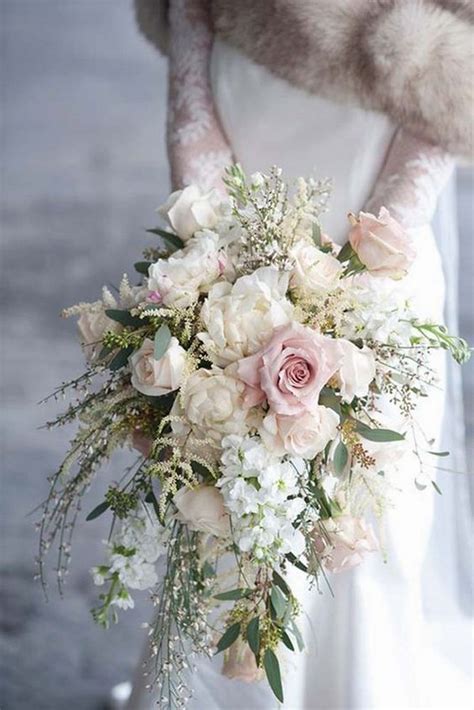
189 210
178 280
202 509
211 402
357 370
305 435
240 318
157 377
314 270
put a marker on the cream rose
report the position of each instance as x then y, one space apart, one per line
202 509
157 377
305 435
189 210
240 663
314 270
240 318
211 401
178 280
92 325
382 244
357 370
342 542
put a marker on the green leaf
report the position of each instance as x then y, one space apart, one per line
272 670
328 398
228 638
123 317
379 435
232 594
142 267
287 641
316 234
171 239
346 253
279 602
297 634
121 359
253 635
437 488
438 453
296 562
98 510
151 498
162 341
341 456
280 582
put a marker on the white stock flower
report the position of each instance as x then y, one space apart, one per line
178 280
189 210
305 435
357 370
314 271
157 377
240 318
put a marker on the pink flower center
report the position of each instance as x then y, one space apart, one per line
154 297
295 373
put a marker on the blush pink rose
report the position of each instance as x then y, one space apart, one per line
382 245
290 371
342 542
240 663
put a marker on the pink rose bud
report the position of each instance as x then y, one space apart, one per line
381 244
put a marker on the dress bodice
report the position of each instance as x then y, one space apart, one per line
269 122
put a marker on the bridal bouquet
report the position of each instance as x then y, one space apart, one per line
248 368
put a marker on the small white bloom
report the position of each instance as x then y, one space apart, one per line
357 370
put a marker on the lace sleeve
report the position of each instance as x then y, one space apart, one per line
197 147
411 180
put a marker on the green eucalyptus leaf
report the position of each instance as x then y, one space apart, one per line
120 359
279 602
346 253
142 267
316 234
162 341
380 435
437 488
228 638
98 510
328 398
296 562
280 582
171 239
287 641
297 634
253 635
232 594
438 453
272 670
123 317
341 456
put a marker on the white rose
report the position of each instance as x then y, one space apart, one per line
313 269
157 377
179 279
357 370
92 325
240 318
188 211
202 509
211 401
305 435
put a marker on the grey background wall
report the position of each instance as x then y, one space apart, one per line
82 168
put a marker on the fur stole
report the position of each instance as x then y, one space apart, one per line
411 59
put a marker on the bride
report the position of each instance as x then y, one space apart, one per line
375 94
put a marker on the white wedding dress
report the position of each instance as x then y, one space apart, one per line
369 646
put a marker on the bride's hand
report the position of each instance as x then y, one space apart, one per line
411 180
198 150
